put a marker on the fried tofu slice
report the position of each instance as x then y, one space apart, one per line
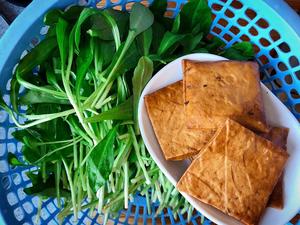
165 110
214 91
236 172
278 136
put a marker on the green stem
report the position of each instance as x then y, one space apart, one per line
137 152
100 196
94 98
57 182
56 150
72 189
126 184
66 81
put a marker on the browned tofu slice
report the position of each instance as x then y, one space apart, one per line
165 110
214 91
278 136
236 172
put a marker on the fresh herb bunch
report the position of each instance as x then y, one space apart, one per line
82 86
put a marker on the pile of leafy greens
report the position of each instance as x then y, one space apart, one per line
82 86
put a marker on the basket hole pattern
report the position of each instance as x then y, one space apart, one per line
278 75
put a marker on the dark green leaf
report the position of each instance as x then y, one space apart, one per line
13 160
122 89
144 41
47 189
158 8
240 51
101 160
14 93
128 61
191 41
142 74
31 155
176 24
84 15
83 63
62 40
196 13
2 102
72 14
141 18
158 34
37 56
105 27
169 40
51 77
36 97
51 17
124 111
214 45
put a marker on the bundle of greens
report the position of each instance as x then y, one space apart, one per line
82 85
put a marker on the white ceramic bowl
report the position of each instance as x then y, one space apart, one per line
276 113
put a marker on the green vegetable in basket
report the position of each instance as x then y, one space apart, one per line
82 87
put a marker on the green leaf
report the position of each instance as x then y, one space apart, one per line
176 24
36 97
37 56
214 45
102 29
62 40
51 17
169 40
44 189
31 155
196 13
2 103
124 111
101 160
83 62
158 34
13 160
158 8
144 41
105 27
191 41
141 18
122 89
51 77
240 51
72 14
84 15
128 61
142 74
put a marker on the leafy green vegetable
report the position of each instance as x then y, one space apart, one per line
240 51
37 56
13 160
144 41
142 74
101 160
124 111
36 97
168 41
84 60
196 14
141 19
51 17
84 15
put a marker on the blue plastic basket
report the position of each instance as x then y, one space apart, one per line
277 43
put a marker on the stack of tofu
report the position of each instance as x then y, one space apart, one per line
215 117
